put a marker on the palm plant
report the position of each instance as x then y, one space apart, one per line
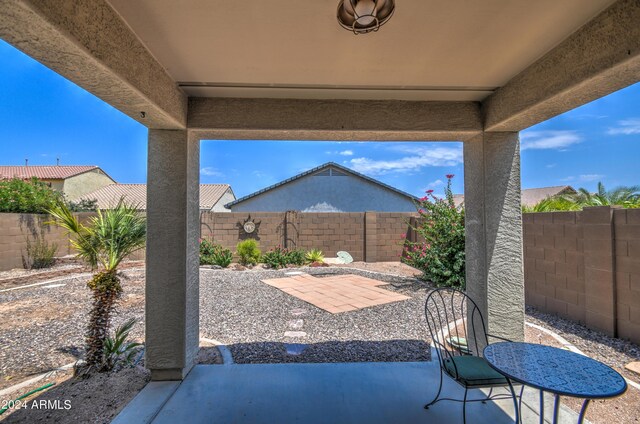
117 349
103 242
627 196
553 204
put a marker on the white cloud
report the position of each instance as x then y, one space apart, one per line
583 178
436 183
552 165
590 177
549 139
626 127
342 152
210 171
422 157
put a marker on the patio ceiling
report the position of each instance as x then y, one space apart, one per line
429 50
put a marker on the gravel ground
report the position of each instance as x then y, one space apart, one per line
613 352
42 327
254 319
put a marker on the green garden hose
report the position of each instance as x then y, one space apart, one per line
46 386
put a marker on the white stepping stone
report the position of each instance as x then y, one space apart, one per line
296 324
295 334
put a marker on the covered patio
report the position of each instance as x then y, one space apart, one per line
476 72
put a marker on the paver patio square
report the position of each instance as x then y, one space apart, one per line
337 293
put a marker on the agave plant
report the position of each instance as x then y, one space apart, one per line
117 349
314 255
103 242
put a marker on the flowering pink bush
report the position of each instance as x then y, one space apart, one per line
441 255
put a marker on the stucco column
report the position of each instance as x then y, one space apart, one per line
493 227
172 254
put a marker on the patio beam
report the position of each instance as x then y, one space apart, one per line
493 228
601 57
88 43
300 119
172 271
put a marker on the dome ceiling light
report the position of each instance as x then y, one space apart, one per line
363 16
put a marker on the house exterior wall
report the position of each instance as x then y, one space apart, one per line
84 183
226 198
585 266
346 193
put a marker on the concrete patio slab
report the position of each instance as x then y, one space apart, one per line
320 393
338 293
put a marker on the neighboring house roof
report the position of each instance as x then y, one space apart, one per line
46 172
315 170
531 196
108 196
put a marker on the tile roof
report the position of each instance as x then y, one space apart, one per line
314 170
108 196
45 172
531 196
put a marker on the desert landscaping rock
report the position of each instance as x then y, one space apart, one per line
252 317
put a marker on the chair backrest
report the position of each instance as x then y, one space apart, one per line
455 323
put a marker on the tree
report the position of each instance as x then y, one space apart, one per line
104 242
625 196
441 256
27 196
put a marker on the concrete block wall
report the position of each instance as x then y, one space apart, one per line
370 236
16 229
390 230
585 266
627 272
554 263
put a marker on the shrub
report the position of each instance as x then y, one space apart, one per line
314 255
206 252
83 205
295 257
275 258
441 256
27 196
222 256
40 254
248 251
214 254
117 350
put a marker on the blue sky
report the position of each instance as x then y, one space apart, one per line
43 117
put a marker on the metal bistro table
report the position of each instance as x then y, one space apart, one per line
556 371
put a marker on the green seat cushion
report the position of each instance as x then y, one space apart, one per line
473 371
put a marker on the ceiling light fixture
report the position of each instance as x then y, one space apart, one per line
363 16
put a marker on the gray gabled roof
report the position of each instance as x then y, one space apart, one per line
313 171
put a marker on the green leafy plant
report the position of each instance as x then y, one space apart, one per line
625 196
314 255
117 350
27 196
248 251
40 254
295 257
83 205
441 255
275 258
103 242
221 256
214 254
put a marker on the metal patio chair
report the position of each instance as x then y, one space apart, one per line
459 334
